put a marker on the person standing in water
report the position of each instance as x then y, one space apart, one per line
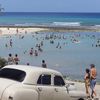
16 59
11 42
10 59
44 65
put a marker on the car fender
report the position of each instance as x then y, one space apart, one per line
77 94
21 94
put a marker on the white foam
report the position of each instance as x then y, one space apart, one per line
67 23
97 25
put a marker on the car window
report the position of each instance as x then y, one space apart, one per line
58 81
44 79
13 74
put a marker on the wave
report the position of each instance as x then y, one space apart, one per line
97 25
25 24
67 23
51 24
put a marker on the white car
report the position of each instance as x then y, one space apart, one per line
20 82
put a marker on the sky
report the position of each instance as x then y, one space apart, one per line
51 5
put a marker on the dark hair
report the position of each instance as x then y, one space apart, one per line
87 70
10 54
92 65
28 64
43 61
16 55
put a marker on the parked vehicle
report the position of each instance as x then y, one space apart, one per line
20 82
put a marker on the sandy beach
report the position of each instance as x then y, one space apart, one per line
15 30
81 86
4 30
25 30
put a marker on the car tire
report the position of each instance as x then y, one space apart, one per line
80 99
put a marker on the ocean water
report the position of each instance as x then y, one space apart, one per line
36 18
71 57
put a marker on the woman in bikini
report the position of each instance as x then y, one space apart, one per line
87 82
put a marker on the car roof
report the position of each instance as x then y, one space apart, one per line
33 72
31 68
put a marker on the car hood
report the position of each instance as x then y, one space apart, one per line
4 84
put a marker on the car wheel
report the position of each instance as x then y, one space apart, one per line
80 99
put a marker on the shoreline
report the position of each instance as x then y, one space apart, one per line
46 28
19 30
81 86
80 81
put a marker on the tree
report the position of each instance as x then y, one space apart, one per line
3 62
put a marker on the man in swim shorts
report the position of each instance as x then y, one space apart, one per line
93 74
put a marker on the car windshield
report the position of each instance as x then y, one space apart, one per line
13 74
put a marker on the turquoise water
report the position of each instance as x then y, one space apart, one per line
70 58
34 18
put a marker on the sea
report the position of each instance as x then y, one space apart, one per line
68 52
49 18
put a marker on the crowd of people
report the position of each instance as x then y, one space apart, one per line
15 60
90 76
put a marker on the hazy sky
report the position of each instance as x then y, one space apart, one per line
51 5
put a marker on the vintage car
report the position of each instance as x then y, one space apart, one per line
20 82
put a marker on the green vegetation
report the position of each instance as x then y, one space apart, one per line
3 62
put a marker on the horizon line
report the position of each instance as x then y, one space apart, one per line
43 12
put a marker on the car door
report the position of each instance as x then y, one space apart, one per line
44 87
60 91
